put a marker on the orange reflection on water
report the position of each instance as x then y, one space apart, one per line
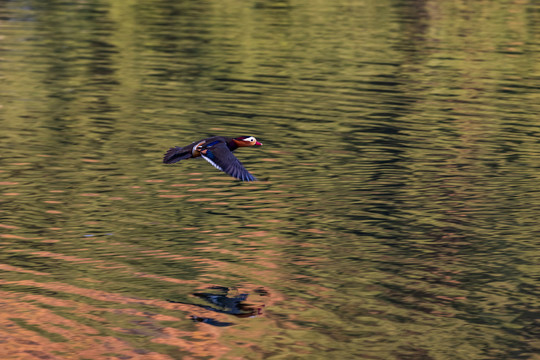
66 257
165 278
314 231
204 189
11 236
34 332
261 233
41 325
6 267
204 344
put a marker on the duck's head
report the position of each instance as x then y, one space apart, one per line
246 141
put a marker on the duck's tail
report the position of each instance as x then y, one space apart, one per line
176 154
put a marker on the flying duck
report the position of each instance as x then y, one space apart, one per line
217 150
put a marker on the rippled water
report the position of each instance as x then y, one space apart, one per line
397 212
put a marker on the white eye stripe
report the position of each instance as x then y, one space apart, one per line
251 138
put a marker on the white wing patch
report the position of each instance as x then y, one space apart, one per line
211 162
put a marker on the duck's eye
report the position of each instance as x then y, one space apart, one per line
249 139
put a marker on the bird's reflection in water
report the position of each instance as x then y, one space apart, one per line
222 302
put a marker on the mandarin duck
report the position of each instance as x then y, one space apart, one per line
217 150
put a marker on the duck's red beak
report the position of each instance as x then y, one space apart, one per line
258 143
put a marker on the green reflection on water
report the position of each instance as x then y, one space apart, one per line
395 218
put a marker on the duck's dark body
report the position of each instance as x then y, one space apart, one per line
178 153
217 150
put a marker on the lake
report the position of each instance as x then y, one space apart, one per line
396 212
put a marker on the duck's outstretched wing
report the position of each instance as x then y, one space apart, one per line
223 159
176 154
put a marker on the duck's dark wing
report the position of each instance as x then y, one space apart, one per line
176 154
223 159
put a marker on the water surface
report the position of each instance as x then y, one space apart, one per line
396 216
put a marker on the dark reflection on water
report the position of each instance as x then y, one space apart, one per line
396 216
223 302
